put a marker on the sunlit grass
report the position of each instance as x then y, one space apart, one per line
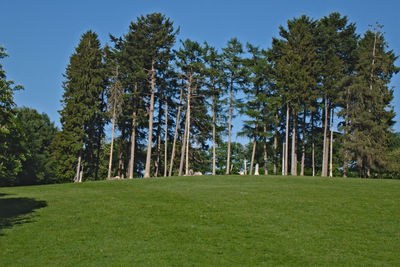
224 220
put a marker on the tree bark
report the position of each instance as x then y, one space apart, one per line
265 151
188 128
283 158
294 154
183 149
133 139
324 172
150 132
112 144
176 134
345 149
158 134
275 144
253 155
287 140
228 159
214 135
78 168
331 148
166 138
303 145
313 145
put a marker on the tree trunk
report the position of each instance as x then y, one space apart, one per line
253 153
228 159
166 138
313 145
133 139
275 144
324 172
331 147
346 132
283 158
112 144
150 132
303 145
188 128
265 151
294 154
287 140
214 135
158 134
176 134
78 168
183 149
80 175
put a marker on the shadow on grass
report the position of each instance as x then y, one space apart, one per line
15 211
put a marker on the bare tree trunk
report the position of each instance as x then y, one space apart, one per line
303 145
275 144
345 149
112 144
287 140
150 132
283 158
133 139
176 134
80 175
228 159
214 136
331 148
265 151
294 154
78 168
157 163
313 145
188 127
324 155
166 138
133 143
183 149
253 153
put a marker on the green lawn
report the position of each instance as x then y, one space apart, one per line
202 221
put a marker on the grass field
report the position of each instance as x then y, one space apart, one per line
202 221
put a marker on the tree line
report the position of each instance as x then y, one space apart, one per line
317 102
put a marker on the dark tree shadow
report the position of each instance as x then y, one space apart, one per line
15 211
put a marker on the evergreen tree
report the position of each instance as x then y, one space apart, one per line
152 37
213 82
336 40
370 113
234 75
77 146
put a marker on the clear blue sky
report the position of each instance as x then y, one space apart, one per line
40 36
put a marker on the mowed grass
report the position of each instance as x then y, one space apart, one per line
203 221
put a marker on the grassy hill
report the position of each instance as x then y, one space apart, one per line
202 221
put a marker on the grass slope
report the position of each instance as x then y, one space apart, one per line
201 221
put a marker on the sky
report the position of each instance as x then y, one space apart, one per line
40 36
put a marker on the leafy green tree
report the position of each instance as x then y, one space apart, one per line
37 133
12 154
78 145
